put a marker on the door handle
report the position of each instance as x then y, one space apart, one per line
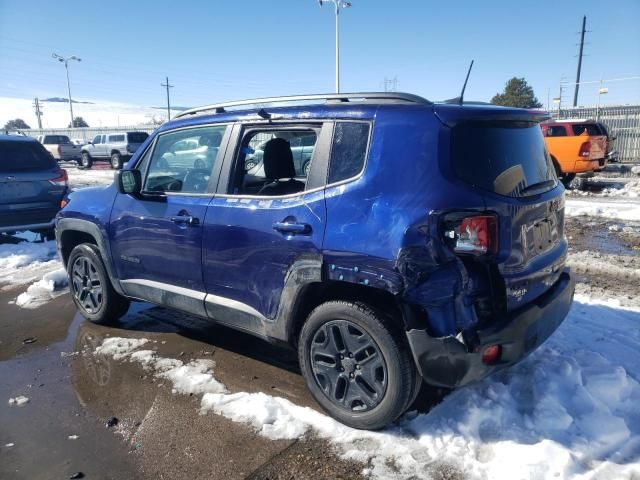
292 228
186 220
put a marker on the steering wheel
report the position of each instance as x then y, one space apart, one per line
196 180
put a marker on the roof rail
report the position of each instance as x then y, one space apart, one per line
331 97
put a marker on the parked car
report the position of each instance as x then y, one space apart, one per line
575 146
611 152
60 147
32 185
426 241
117 148
302 146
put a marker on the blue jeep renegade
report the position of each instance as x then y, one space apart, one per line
424 241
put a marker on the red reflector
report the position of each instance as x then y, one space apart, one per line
585 149
491 354
63 203
477 235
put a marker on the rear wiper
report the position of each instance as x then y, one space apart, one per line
538 186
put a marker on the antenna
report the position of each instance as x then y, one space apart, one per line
464 87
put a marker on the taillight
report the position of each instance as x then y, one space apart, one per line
585 149
472 235
62 179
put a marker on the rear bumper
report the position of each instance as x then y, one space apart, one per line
446 362
586 166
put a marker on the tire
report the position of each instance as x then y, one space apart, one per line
249 165
566 179
85 160
48 235
116 161
368 381
91 289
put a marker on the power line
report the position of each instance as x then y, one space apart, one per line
168 86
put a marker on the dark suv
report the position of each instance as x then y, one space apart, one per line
426 240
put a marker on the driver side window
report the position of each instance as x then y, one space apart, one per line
184 161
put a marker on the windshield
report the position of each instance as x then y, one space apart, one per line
24 157
507 158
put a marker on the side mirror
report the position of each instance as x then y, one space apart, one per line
129 181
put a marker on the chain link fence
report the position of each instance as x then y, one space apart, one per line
623 123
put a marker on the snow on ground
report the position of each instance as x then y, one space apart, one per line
629 189
623 210
51 285
26 262
96 176
568 411
597 263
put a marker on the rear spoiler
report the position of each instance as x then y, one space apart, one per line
451 115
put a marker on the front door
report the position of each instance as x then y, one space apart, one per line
263 228
156 237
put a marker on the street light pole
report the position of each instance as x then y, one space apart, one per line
66 66
338 4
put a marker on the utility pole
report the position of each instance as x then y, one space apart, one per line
168 86
36 105
575 94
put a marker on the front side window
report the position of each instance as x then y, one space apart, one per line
172 168
349 150
96 140
274 162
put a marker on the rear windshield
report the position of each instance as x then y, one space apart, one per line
55 139
137 137
591 128
24 157
508 158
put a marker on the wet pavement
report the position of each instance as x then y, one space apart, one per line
71 392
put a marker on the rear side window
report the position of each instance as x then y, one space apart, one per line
591 128
556 131
24 157
136 137
502 157
55 139
116 138
348 151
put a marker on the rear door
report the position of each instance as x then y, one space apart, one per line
31 183
256 241
156 237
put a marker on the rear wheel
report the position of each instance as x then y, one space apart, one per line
85 160
356 366
116 161
91 289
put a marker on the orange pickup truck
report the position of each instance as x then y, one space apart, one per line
575 146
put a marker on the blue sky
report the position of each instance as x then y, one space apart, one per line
215 50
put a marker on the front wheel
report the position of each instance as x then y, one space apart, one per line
356 367
85 160
91 288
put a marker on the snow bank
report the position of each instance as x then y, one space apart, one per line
26 262
630 189
597 263
194 377
568 411
51 285
93 177
611 209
